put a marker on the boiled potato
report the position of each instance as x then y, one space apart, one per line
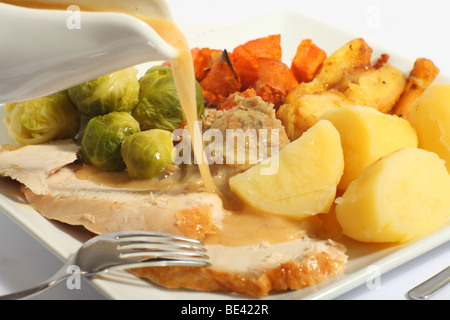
404 195
367 135
378 88
430 116
305 180
304 112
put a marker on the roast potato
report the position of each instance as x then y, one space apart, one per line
356 54
419 79
378 88
304 112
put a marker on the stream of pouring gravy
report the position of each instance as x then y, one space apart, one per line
184 75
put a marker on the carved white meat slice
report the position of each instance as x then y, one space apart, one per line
256 270
51 186
103 209
31 165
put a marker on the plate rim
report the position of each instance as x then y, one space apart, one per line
331 290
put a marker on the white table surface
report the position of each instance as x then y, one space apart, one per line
418 28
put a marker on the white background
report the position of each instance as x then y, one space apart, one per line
416 28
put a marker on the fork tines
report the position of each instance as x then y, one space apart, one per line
161 249
154 237
158 240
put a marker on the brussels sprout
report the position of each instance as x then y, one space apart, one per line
147 153
43 119
103 137
159 106
117 91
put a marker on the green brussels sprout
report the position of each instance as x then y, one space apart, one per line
159 106
103 137
147 153
43 119
117 91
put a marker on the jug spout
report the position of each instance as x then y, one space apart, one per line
46 51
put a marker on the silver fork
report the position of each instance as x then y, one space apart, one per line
124 250
428 288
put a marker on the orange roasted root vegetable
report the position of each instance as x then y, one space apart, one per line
307 61
419 79
204 59
220 81
246 57
274 81
231 102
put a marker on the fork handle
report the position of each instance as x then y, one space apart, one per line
58 277
426 289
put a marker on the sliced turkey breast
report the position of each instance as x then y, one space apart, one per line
103 209
52 187
256 270
31 165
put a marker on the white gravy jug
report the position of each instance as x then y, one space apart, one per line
45 51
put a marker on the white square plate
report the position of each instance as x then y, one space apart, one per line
369 261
